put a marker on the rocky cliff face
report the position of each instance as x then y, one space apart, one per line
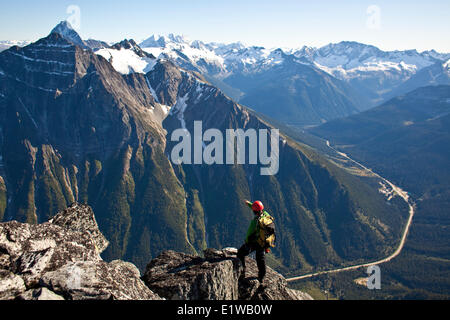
60 260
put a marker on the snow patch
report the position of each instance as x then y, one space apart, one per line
152 91
367 67
446 65
165 109
28 113
179 108
126 61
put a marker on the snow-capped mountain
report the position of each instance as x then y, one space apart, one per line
65 29
250 73
369 75
437 55
343 60
191 55
127 57
163 41
347 60
215 59
371 71
436 74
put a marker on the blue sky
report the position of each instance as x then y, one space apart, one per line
389 25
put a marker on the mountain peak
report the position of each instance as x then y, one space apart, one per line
164 40
65 29
132 45
63 25
178 38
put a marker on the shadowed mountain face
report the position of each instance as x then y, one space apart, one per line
321 210
74 129
297 94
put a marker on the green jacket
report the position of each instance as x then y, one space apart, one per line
253 229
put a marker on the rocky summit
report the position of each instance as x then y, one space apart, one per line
60 260
217 276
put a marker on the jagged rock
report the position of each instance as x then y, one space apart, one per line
39 294
216 277
117 280
81 218
36 249
275 286
178 276
10 285
61 258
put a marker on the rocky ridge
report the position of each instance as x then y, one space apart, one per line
60 260
217 276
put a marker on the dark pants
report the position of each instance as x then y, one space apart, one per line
248 248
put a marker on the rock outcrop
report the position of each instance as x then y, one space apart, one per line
217 276
81 218
60 259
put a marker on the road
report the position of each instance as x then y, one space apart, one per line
403 194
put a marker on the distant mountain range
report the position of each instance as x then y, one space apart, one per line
338 79
374 74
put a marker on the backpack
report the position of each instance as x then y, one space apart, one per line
266 234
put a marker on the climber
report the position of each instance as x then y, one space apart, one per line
260 237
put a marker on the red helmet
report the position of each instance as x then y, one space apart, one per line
257 206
